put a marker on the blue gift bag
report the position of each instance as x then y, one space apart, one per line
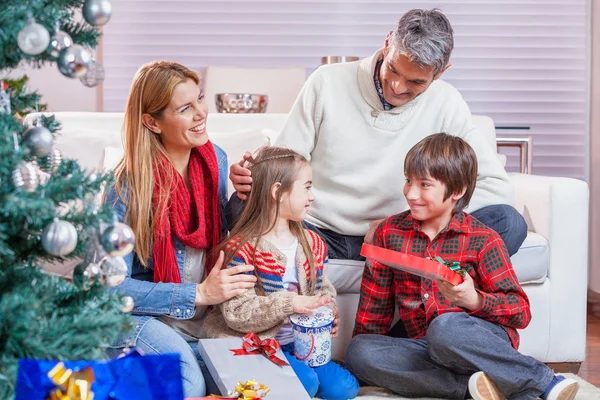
133 376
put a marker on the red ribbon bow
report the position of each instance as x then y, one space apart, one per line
252 344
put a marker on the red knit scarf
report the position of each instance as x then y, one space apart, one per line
195 218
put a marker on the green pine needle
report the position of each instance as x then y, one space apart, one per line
43 316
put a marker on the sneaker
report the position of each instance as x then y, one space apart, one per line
561 388
481 387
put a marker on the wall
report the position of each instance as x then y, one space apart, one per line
59 92
594 283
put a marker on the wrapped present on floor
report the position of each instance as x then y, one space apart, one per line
133 376
430 269
235 361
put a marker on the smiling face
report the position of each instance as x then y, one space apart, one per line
295 202
182 124
425 198
401 79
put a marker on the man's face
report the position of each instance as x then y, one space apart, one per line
402 80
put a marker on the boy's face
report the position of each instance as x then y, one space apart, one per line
425 197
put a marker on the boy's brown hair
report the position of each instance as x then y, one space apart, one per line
448 159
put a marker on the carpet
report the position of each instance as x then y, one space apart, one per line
587 391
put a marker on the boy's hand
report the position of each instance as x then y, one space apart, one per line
336 323
463 295
307 304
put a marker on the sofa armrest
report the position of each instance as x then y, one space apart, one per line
557 209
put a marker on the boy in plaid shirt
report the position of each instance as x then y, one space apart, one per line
461 339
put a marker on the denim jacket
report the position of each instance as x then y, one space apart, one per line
174 300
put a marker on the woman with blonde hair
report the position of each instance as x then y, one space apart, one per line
171 185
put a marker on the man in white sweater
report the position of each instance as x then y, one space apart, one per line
355 122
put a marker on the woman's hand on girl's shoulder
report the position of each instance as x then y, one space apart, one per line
307 304
223 284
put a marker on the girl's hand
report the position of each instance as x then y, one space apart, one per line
307 304
336 323
463 295
223 284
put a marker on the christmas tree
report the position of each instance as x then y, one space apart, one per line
49 207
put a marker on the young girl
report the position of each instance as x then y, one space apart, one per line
289 263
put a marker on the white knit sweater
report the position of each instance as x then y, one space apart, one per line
357 149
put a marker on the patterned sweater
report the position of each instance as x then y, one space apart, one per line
265 314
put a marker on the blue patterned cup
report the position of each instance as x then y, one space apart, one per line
312 336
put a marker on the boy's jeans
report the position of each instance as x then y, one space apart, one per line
439 365
504 219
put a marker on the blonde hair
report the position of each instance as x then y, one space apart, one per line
150 93
269 166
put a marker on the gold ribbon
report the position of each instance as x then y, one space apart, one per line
71 385
250 390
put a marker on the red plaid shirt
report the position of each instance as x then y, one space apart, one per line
479 250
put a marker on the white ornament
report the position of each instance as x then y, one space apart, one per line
97 12
113 270
59 238
94 76
33 39
4 99
127 304
52 161
25 176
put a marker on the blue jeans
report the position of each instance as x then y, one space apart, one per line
439 365
328 382
155 337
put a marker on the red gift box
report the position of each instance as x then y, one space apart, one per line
415 265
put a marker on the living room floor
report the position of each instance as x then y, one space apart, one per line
590 368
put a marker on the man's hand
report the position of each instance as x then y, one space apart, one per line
336 323
463 295
371 232
223 284
240 176
307 304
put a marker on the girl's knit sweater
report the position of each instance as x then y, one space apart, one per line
265 314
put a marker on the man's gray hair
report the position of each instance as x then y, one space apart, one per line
425 37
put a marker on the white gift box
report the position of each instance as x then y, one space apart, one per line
228 369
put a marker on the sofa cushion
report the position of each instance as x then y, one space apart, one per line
532 260
345 275
530 264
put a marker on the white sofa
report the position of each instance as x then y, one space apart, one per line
551 265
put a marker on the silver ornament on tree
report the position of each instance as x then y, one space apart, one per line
97 12
60 40
118 239
113 270
51 162
4 99
127 304
95 74
73 62
25 176
38 140
59 238
33 39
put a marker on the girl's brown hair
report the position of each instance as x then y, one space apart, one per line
269 166
150 93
